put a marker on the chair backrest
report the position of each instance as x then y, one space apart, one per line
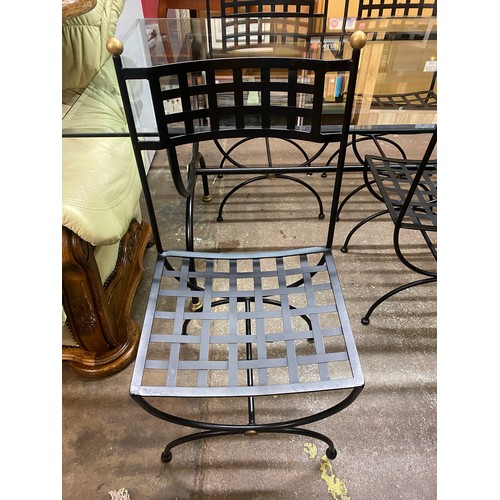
396 8
242 26
212 97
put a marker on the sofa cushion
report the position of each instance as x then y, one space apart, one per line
100 187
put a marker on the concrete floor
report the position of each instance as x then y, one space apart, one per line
386 440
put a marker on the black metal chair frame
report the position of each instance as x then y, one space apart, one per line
408 188
193 296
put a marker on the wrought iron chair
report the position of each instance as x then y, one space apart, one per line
248 324
284 27
408 188
273 28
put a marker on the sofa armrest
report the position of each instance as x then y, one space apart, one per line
101 188
84 42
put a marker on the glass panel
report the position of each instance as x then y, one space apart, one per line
397 81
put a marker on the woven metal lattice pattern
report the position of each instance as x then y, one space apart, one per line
426 99
232 8
394 179
396 8
247 32
254 334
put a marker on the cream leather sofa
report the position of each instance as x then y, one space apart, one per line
103 235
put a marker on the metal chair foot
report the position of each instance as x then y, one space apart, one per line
196 306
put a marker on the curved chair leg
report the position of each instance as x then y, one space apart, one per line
226 155
251 429
166 455
365 320
344 248
351 194
321 214
405 261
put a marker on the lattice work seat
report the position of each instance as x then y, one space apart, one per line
394 179
254 335
425 99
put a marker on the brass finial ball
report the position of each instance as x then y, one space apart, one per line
114 46
358 40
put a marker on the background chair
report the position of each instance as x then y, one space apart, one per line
408 188
254 323
280 28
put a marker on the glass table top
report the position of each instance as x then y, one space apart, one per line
396 88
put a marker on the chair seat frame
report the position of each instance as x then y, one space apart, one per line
351 386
